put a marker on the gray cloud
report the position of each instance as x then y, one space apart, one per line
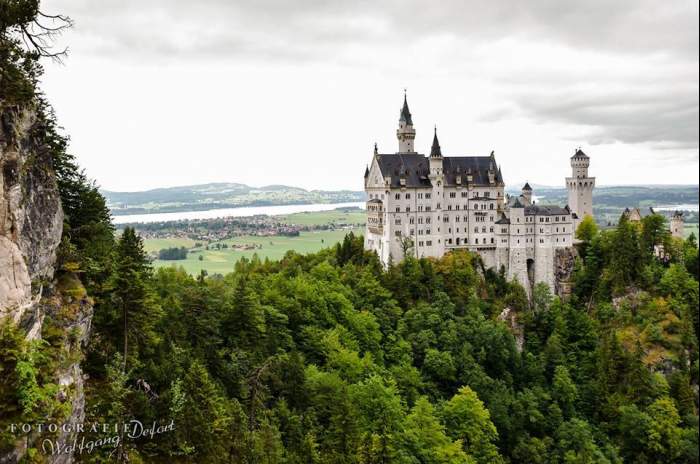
655 103
224 27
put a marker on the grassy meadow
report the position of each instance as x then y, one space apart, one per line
273 247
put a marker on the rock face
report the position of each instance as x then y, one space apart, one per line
31 223
31 218
564 260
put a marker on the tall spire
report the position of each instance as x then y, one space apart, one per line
406 134
405 113
435 151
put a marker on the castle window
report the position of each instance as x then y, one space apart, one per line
492 240
453 194
427 220
491 229
487 194
398 209
476 230
491 206
429 242
411 220
427 231
456 218
427 195
464 194
445 219
397 196
397 221
408 209
476 241
408 196
427 208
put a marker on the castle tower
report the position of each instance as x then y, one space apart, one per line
677 225
527 194
435 157
580 186
405 133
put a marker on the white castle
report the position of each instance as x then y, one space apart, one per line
428 205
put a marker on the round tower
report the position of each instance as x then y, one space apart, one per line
677 225
405 133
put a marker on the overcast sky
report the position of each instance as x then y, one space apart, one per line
174 92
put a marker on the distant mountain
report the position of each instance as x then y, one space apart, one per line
220 195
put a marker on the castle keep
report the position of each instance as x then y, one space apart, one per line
428 205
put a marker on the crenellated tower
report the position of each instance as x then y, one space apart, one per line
580 186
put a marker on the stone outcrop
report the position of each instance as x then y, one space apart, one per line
31 218
564 260
31 293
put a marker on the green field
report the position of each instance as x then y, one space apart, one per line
691 228
222 261
155 244
324 217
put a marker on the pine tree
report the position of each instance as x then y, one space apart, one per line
134 297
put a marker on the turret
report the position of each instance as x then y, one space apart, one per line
435 157
406 134
527 194
677 225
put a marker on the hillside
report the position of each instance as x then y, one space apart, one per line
610 201
220 195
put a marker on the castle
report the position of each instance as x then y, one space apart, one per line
426 206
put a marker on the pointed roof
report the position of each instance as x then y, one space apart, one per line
366 171
405 113
579 154
527 187
435 151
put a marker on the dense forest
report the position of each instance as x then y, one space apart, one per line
329 358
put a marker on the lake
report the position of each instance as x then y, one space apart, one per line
685 207
233 212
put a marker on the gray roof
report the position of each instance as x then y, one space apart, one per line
416 168
580 154
503 219
435 149
527 187
405 114
546 210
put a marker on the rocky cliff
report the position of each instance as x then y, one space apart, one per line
33 295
